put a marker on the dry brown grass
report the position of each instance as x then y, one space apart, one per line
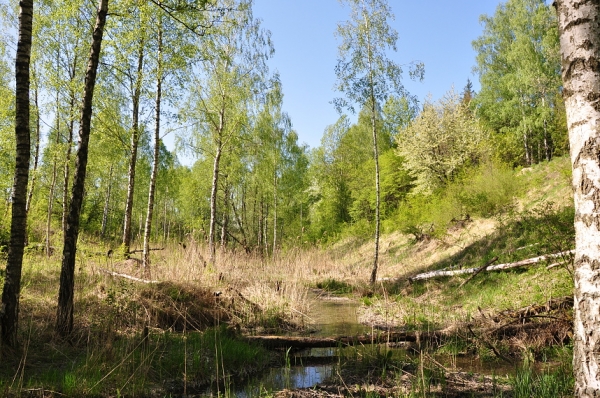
246 290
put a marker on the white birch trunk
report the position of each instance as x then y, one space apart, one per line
155 160
579 27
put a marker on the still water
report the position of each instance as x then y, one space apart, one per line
334 317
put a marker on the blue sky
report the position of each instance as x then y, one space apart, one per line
436 32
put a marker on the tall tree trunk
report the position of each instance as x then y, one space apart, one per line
9 314
152 189
377 194
225 223
106 203
165 218
36 154
528 160
213 203
135 138
259 222
579 27
50 208
274 215
375 152
240 225
67 166
265 231
64 315
547 142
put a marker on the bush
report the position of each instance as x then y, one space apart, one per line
484 191
487 190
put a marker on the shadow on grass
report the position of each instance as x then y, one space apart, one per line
540 231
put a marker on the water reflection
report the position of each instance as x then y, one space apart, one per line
333 317
286 378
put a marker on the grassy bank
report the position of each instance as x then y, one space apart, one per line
176 331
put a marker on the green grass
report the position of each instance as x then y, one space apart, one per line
108 355
133 365
554 383
334 286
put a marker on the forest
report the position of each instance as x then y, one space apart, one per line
129 272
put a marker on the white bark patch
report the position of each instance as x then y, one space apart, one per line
579 27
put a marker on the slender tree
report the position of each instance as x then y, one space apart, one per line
579 26
135 76
155 159
36 152
9 314
233 64
64 316
7 131
367 76
59 31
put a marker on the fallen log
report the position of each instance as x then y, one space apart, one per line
133 278
492 261
285 342
142 250
498 267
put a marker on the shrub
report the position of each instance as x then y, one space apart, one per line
487 190
484 191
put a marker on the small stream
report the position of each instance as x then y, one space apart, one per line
328 316
331 316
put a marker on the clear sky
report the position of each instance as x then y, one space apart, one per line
436 32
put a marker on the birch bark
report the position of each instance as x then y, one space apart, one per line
579 28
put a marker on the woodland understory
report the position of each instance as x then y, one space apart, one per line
448 221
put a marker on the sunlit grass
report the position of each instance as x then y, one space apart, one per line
110 350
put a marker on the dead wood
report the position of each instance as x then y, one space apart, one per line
555 304
490 345
133 278
142 250
537 325
524 324
492 261
499 267
335 341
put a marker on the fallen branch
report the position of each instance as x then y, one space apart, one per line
490 346
492 261
335 341
133 278
499 267
142 250
554 304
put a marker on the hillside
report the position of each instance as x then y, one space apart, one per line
539 222
127 324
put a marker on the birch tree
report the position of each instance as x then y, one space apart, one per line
7 130
64 315
579 27
155 159
367 76
59 33
129 53
9 314
233 64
